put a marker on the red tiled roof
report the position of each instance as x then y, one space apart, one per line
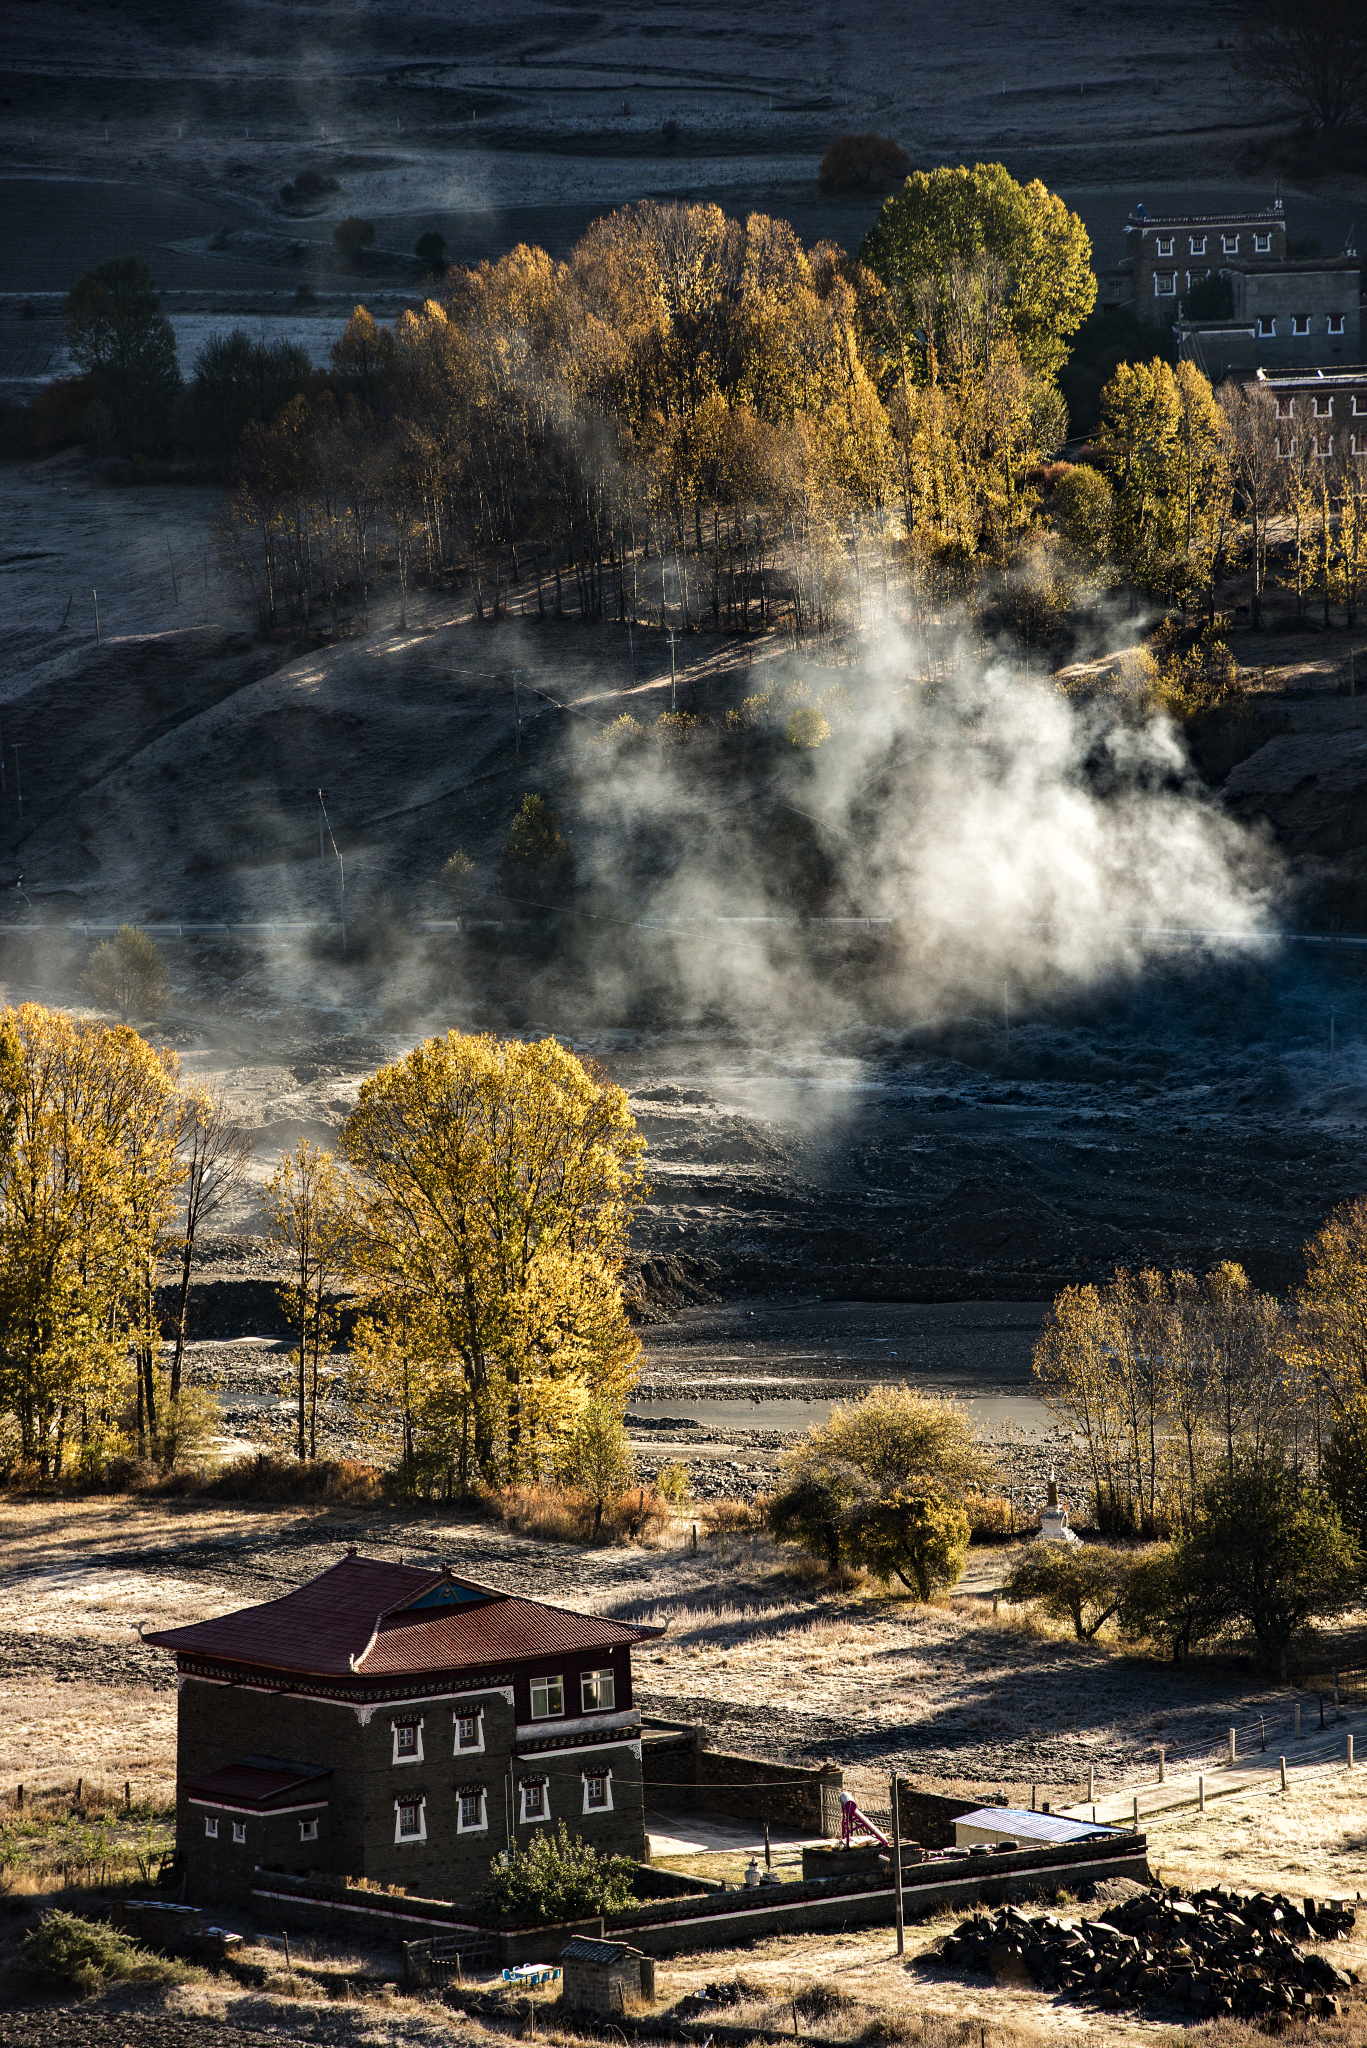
255 1781
356 1620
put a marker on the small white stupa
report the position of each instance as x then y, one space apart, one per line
1053 1523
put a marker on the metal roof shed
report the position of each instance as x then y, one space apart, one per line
1024 1830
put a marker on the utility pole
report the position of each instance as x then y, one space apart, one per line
341 868
631 654
673 681
897 1861
517 710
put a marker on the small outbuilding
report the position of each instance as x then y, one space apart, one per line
602 1976
1013 1827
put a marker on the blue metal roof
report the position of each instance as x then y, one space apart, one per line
1044 1827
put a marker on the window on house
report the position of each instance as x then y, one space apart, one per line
1166 244
1198 245
239 1830
535 1800
1335 323
1359 406
472 1813
1300 323
211 1828
1262 245
1324 446
1267 326
308 1830
598 1690
1286 449
469 1731
410 1820
598 1791
1357 444
1286 408
1165 284
1229 244
548 1697
407 1741
1324 408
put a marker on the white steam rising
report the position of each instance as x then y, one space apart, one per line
1012 835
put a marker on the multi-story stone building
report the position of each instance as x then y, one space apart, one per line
1319 412
1278 310
401 1724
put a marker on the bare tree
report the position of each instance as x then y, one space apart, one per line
1312 52
215 1152
1258 469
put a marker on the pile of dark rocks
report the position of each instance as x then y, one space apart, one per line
1213 1951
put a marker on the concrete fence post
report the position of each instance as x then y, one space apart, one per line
1091 1781
1350 1752
1298 1720
1201 1792
1234 1745
1136 1813
1283 1774
1162 1767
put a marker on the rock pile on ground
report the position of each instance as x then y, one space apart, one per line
1213 1951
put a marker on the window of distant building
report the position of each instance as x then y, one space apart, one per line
239 1830
1324 408
1300 323
308 1830
1262 245
1286 408
1198 245
410 1820
1229 244
536 1803
1357 444
1196 277
598 1691
407 1741
469 1731
1267 328
472 1810
1166 244
1324 446
598 1791
1165 284
1286 449
1359 406
1335 325
548 1697
211 1828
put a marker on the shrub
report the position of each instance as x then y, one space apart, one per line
990 1517
65 1953
733 1517
537 864
597 1459
623 732
1082 505
458 879
860 163
128 974
270 1478
1084 1583
807 727
430 250
919 1538
353 237
309 184
186 1428
671 1483
556 1877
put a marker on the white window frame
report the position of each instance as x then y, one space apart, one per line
308 1830
211 1826
1165 284
1333 323
1359 406
1286 408
595 1681
1324 407
1300 323
606 1777
475 1748
1322 454
473 1827
1285 454
1353 448
1267 326
543 1786
407 1722
239 1830
1262 245
1165 245
1229 245
1198 245
420 1801
544 1686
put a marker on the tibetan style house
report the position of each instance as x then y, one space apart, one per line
399 1724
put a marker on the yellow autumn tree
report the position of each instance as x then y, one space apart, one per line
88 1179
495 1187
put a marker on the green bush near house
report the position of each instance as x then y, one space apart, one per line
66 1953
557 1876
